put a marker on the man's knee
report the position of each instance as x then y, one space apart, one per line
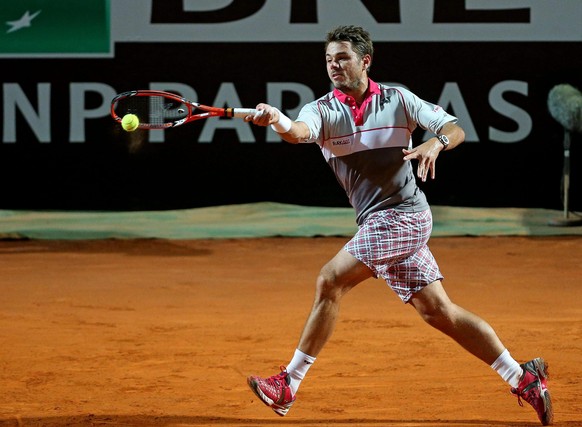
434 306
331 285
327 286
340 275
439 315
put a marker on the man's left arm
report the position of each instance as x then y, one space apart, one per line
448 137
454 135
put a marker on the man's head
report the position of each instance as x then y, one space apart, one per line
348 54
357 36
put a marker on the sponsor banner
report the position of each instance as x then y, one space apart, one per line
308 20
45 28
59 147
491 63
35 28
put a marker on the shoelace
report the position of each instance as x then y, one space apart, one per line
521 393
519 401
277 383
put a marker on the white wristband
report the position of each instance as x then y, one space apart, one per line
283 125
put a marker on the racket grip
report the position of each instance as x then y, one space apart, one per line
241 113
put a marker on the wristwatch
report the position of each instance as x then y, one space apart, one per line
444 140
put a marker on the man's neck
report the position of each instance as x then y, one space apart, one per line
359 93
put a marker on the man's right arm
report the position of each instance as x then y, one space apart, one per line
289 130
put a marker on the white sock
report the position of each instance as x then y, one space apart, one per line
508 368
298 367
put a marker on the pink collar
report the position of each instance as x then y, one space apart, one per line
358 111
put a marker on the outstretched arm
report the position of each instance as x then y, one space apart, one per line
287 129
427 152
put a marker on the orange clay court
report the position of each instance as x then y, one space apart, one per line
159 332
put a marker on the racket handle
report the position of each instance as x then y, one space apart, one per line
241 113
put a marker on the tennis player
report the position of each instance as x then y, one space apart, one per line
364 131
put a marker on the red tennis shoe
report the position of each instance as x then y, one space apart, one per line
533 388
274 391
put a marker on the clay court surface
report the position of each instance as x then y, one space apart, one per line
153 332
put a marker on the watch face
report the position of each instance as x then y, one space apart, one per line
444 139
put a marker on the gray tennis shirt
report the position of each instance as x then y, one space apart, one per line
363 144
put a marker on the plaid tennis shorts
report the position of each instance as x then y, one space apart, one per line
393 245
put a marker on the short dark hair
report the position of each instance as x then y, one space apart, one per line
357 36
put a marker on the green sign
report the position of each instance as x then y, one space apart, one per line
55 28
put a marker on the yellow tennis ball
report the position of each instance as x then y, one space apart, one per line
130 122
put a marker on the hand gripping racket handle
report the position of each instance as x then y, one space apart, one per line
241 113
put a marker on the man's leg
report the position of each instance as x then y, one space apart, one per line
467 329
528 381
335 279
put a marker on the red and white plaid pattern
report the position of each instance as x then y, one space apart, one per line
393 245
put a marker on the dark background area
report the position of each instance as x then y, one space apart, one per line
108 172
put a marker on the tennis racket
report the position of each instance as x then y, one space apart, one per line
162 110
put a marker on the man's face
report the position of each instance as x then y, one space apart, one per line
344 68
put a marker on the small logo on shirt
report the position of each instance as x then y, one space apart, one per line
344 141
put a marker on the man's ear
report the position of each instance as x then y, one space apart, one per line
366 62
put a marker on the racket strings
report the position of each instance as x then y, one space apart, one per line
152 110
